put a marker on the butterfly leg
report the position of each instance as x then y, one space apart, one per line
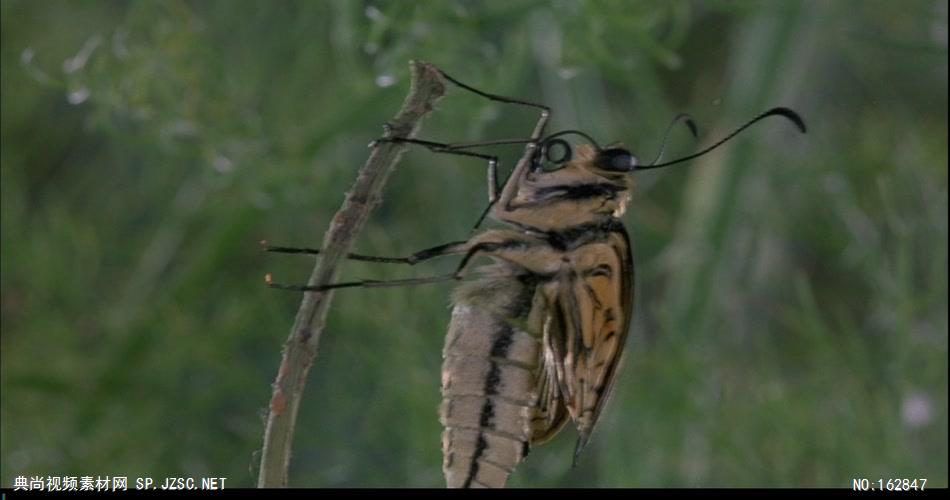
495 97
415 258
459 150
494 191
425 254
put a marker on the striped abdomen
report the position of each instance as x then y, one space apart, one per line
489 379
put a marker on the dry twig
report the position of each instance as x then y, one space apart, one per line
300 350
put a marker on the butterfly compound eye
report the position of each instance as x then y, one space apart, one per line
616 160
557 151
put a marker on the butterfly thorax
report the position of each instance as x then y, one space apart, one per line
576 194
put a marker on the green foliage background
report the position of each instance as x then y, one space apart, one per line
791 324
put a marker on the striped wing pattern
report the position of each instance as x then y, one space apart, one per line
595 305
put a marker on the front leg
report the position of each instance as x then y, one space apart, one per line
513 185
460 150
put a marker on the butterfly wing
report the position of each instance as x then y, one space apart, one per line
584 316
595 306
550 412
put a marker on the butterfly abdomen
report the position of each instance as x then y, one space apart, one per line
488 383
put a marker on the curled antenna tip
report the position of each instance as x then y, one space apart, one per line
790 115
692 128
689 122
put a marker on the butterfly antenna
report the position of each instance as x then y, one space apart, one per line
682 117
787 113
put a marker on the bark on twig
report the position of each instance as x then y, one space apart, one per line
300 349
